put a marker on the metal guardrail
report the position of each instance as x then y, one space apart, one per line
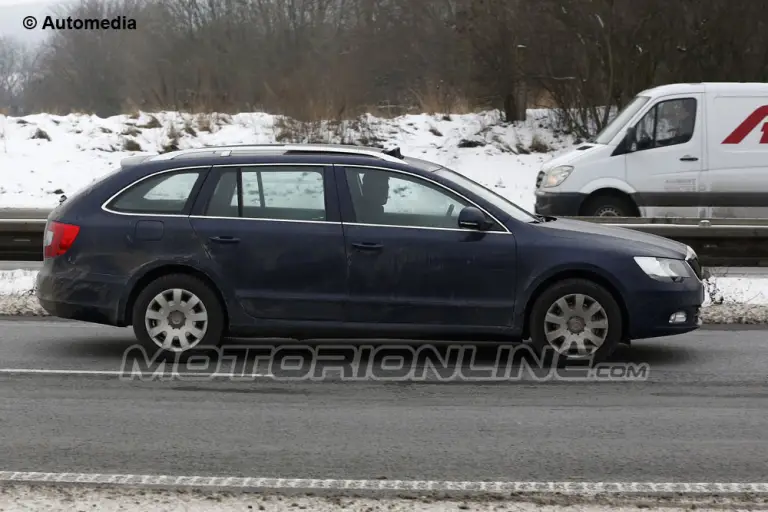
718 242
21 233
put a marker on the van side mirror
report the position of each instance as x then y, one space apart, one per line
472 218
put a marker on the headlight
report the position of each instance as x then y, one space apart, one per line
664 269
556 176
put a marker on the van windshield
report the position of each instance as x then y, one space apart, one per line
608 133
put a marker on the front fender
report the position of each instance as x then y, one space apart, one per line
607 183
532 287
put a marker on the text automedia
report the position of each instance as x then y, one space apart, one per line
116 23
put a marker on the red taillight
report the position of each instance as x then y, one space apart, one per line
58 238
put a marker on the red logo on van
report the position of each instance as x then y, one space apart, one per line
748 126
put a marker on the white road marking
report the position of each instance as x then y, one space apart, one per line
568 488
127 374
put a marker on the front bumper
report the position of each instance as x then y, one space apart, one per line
652 308
558 204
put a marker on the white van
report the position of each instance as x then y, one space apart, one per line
680 150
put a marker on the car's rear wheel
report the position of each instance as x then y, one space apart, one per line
575 319
178 312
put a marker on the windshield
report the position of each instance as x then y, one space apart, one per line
492 197
607 134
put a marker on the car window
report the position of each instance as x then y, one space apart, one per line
668 123
167 193
277 193
396 199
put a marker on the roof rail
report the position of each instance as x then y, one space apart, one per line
133 160
388 155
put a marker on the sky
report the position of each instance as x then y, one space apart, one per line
13 12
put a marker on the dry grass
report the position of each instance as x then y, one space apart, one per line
539 146
131 132
354 131
41 134
437 100
152 123
131 145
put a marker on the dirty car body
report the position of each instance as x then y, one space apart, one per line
313 242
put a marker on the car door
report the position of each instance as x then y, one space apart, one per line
410 263
273 233
666 158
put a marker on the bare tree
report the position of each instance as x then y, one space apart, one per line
315 59
13 62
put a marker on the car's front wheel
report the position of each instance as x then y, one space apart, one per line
575 319
178 312
609 206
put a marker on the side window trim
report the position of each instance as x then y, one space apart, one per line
260 182
203 173
239 191
499 227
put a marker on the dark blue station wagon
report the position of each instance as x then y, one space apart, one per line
312 242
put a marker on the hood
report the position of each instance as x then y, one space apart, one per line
572 155
631 241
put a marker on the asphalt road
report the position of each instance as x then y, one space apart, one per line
701 416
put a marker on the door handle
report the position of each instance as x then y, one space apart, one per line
365 246
224 239
687 158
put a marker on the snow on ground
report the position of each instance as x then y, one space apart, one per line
18 498
14 282
737 290
43 156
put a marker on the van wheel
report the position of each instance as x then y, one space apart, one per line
575 320
178 312
609 206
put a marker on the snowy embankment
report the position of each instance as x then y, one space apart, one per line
43 157
23 498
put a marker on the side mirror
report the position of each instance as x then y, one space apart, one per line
472 218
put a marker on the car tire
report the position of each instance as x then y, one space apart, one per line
609 206
177 332
543 331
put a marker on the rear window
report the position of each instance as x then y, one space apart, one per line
165 193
